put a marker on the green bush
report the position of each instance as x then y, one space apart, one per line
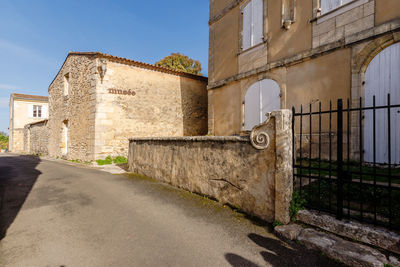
120 160
3 140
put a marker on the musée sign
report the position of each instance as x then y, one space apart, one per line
121 92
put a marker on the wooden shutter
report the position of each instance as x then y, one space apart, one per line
257 31
246 33
328 5
270 97
381 78
30 111
252 107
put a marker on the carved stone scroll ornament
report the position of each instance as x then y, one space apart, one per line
259 137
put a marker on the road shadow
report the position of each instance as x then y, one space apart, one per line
18 174
279 253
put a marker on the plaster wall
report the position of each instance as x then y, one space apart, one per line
19 118
386 10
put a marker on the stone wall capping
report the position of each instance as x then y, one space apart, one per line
392 27
194 138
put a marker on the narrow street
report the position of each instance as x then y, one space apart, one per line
57 214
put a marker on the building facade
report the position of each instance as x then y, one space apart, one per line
24 109
99 101
270 54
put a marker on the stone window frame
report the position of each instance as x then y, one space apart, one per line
265 27
319 18
66 84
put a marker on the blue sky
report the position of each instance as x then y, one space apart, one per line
35 36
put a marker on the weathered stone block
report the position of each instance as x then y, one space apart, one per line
352 254
324 27
291 231
367 234
350 16
359 25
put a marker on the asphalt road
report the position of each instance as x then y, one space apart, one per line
55 214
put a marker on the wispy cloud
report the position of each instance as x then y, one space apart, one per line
8 87
25 52
4 102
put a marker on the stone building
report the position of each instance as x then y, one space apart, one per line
270 54
24 109
98 101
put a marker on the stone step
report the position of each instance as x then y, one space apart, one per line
350 253
370 235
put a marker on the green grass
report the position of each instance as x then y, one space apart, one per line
107 161
120 160
351 170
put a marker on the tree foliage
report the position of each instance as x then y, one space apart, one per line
3 140
179 62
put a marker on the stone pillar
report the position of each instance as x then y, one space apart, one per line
283 164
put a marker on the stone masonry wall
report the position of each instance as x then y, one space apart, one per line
36 139
330 27
137 102
78 109
229 169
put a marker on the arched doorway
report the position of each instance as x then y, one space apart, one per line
382 78
262 97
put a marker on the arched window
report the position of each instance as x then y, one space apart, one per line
261 97
382 78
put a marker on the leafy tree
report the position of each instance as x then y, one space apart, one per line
3 140
179 62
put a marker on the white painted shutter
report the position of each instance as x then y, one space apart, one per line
383 77
261 97
252 107
328 5
257 36
270 97
44 112
30 111
247 19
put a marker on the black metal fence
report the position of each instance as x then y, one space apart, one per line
330 170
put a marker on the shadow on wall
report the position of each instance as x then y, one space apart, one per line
18 174
277 253
194 107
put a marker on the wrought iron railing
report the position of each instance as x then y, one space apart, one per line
329 159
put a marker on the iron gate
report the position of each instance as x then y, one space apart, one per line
329 169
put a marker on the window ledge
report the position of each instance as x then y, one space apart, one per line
253 48
338 11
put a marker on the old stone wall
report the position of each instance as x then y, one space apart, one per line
137 102
77 109
229 169
36 138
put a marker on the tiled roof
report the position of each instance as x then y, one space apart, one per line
141 65
29 97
